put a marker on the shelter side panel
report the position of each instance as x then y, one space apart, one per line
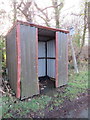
29 81
11 58
62 59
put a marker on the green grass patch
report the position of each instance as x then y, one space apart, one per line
36 104
77 83
23 107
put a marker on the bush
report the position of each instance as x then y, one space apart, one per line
2 54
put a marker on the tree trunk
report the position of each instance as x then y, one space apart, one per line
84 30
57 14
14 11
73 56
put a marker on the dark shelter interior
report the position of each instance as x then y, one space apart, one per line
46 59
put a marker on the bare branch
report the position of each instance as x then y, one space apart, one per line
76 14
46 19
46 22
39 9
26 7
52 6
25 10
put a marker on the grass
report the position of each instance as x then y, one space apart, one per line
77 84
24 107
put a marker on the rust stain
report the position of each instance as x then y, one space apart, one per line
56 62
67 57
37 57
18 60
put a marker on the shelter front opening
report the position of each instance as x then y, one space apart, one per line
46 58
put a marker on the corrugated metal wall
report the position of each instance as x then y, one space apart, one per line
51 48
41 59
11 53
62 59
41 67
41 49
51 68
29 81
51 58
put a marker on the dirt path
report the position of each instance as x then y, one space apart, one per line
76 109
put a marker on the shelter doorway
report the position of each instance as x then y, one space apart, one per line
46 59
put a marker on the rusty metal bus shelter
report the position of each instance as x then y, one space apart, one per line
34 51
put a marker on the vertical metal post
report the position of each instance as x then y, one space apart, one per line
46 56
73 55
18 60
37 57
56 60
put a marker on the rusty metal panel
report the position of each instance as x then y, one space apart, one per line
62 52
18 60
11 59
29 78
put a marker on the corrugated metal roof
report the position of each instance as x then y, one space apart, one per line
43 27
38 26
